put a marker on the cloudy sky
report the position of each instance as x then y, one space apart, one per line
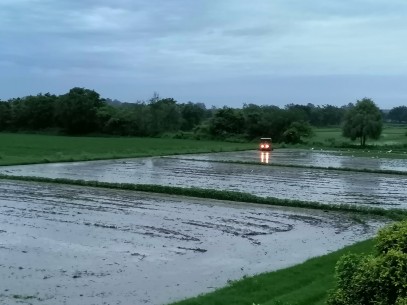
219 52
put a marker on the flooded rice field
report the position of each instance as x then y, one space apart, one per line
325 186
73 245
308 157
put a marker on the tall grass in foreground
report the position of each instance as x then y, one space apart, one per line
28 149
304 284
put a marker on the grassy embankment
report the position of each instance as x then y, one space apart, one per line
304 284
29 149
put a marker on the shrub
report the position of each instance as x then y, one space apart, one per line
392 237
379 279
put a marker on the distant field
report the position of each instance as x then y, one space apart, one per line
391 136
29 148
26 149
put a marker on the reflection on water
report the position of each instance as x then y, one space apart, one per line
326 186
264 157
308 158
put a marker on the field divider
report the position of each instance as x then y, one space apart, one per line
343 169
393 214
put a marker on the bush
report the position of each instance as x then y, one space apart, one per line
392 237
379 279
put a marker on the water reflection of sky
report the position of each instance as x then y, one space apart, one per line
308 158
325 186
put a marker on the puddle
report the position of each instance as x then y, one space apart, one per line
325 186
72 245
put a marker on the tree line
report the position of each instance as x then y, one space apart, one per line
82 111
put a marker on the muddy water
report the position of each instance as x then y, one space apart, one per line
307 157
325 186
73 245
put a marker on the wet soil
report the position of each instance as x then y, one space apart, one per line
325 186
307 157
73 245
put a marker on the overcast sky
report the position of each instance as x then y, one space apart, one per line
219 52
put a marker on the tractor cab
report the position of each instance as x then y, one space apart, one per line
265 144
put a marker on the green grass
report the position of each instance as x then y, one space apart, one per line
28 149
33 148
391 136
304 284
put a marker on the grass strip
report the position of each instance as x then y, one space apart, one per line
344 169
19 149
303 284
394 214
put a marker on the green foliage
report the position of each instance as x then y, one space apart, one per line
39 112
392 237
5 115
82 111
192 115
288 125
164 116
76 111
398 114
401 301
375 279
363 121
327 115
227 121
29 113
291 136
297 130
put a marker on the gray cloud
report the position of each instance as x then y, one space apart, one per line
206 45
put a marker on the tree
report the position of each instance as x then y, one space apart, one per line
375 279
363 121
297 130
398 114
77 110
39 111
227 121
165 115
5 115
192 115
327 115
